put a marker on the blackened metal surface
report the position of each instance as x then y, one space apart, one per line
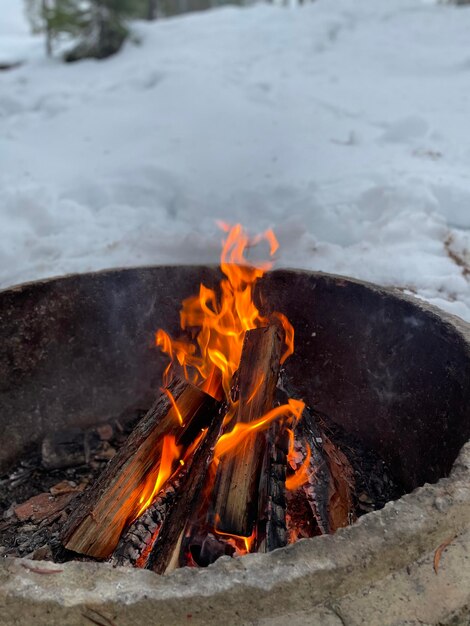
391 370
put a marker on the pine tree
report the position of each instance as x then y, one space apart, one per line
100 25
103 31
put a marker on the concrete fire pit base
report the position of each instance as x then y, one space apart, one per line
379 571
390 369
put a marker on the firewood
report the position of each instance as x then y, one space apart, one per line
165 553
236 486
271 527
137 540
330 484
115 498
341 488
42 507
316 490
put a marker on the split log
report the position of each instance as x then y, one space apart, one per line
271 528
316 490
341 488
330 484
235 499
165 554
115 498
42 507
136 542
314 494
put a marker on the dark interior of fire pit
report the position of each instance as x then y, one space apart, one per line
80 350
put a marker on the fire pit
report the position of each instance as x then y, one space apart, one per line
392 372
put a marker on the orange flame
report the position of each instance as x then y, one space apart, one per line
208 355
241 430
220 321
256 388
193 446
168 393
291 455
242 544
301 474
170 453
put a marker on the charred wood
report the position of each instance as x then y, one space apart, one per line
95 526
340 489
373 479
330 487
309 432
204 548
271 529
316 489
136 542
64 449
167 548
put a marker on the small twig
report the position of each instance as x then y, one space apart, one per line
47 521
439 551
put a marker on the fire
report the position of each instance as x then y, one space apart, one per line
242 545
301 468
221 319
214 323
301 474
291 454
170 453
242 430
170 397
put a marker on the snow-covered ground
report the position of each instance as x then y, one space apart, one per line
344 124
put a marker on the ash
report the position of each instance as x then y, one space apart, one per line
38 494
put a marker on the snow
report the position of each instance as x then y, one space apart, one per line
343 124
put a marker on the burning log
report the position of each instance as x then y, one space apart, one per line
341 488
271 530
329 484
133 477
136 542
307 501
308 439
326 483
165 554
236 486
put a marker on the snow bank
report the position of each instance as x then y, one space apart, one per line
344 125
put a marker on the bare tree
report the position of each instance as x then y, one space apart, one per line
152 7
45 6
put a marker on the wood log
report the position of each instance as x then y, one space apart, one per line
137 540
308 431
330 485
341 511
165 553
127 481
235 500
271 526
